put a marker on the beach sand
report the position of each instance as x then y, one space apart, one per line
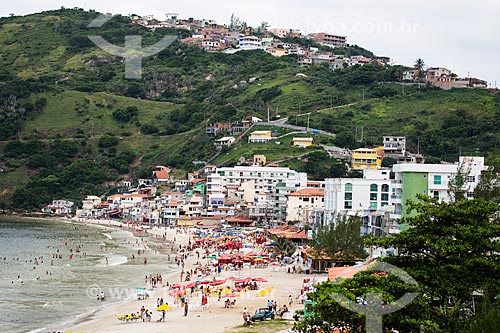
214 319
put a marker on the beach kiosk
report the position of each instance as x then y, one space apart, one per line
142 294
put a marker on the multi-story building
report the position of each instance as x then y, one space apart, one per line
366 158
249 43
272 184
395 145
303 203
432 180
438 71
260 137
329 39
355 195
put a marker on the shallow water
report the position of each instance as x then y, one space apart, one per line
38 296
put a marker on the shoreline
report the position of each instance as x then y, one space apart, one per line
216 318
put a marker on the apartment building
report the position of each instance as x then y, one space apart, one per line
432 180
269 185
329 39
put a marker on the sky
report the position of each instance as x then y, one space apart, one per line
461 35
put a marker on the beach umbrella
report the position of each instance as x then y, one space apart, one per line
164 307
217 282
259 279
204 282
176 286
230 295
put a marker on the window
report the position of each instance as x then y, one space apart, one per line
373 196
348 196
373 188
471 179
437 180
435 194
348 187
348 204
373 206
384 197
385 188
305 199
470 195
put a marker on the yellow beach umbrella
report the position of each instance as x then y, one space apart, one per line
164 307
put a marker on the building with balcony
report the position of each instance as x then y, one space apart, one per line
395 145
353 196
269 185
302 203
329 39
366 158
432 180
260 137
249 43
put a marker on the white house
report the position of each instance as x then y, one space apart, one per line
224 142
302 204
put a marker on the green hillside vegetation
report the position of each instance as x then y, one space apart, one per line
72 125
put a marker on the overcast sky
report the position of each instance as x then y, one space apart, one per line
461 35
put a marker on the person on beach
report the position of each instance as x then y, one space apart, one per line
186 308
143 309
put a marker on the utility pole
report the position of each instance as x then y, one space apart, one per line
268 113
308 116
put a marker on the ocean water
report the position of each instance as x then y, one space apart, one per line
51 272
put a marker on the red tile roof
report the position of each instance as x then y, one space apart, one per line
308 192
161 174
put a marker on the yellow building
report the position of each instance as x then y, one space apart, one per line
277 52
259 160
367 158
302 142
260 136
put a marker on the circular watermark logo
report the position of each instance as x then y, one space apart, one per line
133 52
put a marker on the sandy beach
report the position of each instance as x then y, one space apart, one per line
213 317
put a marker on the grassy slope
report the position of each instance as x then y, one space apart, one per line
36 46
69 111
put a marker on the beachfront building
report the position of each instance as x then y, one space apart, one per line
302 142
432 180
367 158
267 185
355 195
303 204
59 207
260 137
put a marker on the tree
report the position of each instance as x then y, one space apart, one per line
488 187
420 68
329 315
340 240
451 249
283 245
457 186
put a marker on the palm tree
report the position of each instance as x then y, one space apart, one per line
420 68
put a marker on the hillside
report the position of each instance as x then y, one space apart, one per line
71 124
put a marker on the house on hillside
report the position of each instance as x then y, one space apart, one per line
224 142
260 137
302 142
